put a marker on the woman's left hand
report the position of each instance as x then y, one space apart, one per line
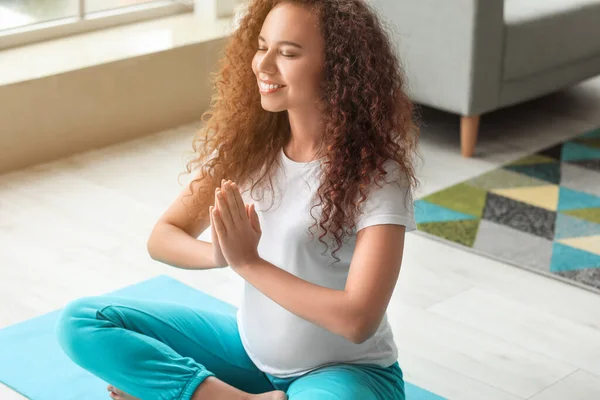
237 226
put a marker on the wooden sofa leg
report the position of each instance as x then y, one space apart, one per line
469 128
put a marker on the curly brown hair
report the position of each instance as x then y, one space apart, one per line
369 117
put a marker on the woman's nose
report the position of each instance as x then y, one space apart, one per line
266 64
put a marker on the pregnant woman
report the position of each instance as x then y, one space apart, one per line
304 172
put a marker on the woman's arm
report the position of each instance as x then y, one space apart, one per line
355 312
171 245
328 308
173 240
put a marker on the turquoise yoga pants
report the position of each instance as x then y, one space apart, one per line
160 350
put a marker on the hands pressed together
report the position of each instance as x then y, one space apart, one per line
235 228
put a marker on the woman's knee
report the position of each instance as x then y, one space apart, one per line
74 323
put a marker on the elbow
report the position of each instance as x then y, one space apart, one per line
361 331
151 244
150 248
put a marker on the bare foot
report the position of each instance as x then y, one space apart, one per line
118 394
274 395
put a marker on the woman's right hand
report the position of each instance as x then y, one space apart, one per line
218 257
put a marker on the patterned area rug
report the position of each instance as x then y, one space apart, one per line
541 212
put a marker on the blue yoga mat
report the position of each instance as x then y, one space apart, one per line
33 364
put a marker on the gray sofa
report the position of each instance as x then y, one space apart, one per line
469 57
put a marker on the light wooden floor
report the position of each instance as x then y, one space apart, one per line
467 327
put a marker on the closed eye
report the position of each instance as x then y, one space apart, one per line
285 55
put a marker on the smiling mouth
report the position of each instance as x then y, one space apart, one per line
269 89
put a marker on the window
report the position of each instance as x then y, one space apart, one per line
15 13
102 5
25 21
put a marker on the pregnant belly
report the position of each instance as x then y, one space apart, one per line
280 340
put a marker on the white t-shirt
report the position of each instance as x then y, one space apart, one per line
276 340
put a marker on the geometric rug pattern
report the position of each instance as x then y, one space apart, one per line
540 212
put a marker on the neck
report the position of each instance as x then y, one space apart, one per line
307 131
